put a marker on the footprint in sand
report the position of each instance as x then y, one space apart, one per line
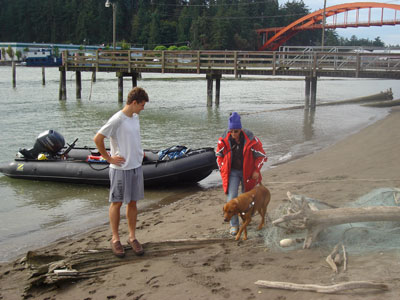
247 265
223 291
131 293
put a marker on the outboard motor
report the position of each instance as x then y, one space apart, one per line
49 141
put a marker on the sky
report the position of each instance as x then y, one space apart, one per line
390 35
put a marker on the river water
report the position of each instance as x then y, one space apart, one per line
33 214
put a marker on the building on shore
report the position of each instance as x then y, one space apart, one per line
29 49
36 49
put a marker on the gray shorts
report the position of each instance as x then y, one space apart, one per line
126 185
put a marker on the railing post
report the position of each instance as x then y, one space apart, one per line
97 60
274 63
64 56
198 62
162 61
235 65
129 61
358 64
315 54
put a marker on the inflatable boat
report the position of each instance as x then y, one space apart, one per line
172 166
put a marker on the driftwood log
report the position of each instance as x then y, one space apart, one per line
322 288
314 221
48 270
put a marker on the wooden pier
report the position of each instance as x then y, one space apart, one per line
214 64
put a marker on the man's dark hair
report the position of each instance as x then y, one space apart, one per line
137 94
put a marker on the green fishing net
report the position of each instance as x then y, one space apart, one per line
359 237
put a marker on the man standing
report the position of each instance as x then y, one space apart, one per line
126 174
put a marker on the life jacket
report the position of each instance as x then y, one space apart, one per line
253 159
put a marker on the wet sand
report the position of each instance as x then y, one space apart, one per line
225 269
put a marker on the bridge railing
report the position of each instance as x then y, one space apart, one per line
229 62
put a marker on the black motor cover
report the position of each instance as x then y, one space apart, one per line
49 141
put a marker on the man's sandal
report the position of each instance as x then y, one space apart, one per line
117 249
136 247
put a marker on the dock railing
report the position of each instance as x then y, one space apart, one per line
294 63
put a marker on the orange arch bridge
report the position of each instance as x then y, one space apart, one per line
279 35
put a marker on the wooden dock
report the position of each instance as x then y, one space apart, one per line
214 64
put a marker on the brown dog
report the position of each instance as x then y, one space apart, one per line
245 205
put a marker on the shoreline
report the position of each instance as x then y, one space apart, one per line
338 174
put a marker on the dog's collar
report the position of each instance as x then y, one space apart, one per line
251 205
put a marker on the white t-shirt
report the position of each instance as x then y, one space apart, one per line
124 134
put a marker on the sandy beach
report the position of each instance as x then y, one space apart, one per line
221 268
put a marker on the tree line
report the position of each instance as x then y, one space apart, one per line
198 24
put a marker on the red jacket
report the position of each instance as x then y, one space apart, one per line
253 159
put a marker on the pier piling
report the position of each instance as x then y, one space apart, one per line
78 81
210 82
209 89
63 85
310 101
307 93
120 88
43 76
134 80
313 102
14 74
217 89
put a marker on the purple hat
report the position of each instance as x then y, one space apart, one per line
234 121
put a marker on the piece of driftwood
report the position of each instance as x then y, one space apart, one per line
384 103
50 269
330 259
314 221
329 289
335 259
344 258
378 98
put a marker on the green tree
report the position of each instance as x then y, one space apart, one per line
124 45
378 42
56 52
154 37
331 38
172 48
3 53
18 53
184 24
160 48
10 52
205 24
184 48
